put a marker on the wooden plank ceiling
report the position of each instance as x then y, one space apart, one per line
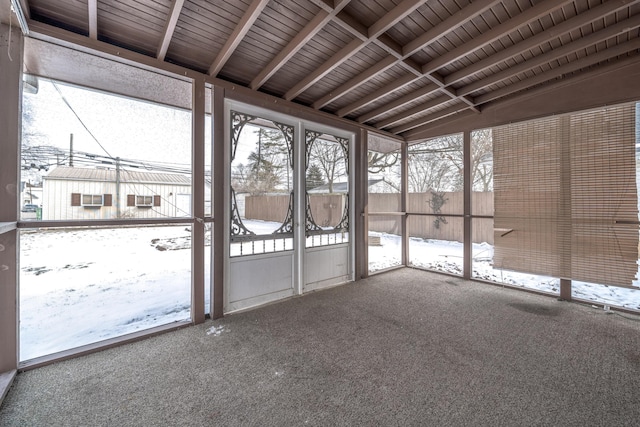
395 65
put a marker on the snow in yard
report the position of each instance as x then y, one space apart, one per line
446 256
80 286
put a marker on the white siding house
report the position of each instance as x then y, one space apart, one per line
92 193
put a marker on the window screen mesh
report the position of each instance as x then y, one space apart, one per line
566 198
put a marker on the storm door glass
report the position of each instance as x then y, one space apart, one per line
261 185
327 189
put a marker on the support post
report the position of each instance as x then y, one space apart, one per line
217 195
197 201
10 126
565 207
565 289
361 206
404 197
468 187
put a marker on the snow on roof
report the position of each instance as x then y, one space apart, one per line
109 175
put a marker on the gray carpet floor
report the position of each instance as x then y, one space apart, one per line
403 348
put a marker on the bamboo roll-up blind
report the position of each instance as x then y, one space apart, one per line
566 198
604 196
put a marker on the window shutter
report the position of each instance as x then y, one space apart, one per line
131 200
107 200
156 200
566 200
75 199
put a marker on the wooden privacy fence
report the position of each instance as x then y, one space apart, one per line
326 208
433 227
327 211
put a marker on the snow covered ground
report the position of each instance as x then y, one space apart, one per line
80 286
446 256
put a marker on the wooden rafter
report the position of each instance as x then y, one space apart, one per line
311 29
353 83
445 112
429 69
169 28
550 40
377 94
379 27
454 21
401 54
540 38
478 42
524 18
92 10
562 70
418 109
548 75
593 38
243 27
399 102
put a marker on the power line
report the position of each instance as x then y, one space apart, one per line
78 117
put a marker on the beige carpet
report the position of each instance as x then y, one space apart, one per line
402 348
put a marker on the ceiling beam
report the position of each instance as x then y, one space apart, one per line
377 94
607 84
336 60
392 17
92 9
560 71
403 54
353 83
582 43
445 112
519 20
403 100
548 34
311 29
418 109
448 25
243 27
169 28
478 42
322 18
376 29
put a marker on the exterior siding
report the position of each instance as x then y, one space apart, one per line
57 200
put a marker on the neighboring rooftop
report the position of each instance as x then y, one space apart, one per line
109 175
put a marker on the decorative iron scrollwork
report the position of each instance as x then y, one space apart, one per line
237 226
310 223
310 138
344 144
287 224
344 222
238 120
311 227
287 132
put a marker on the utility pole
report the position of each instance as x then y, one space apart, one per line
71 150
117 187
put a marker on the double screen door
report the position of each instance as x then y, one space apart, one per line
291 210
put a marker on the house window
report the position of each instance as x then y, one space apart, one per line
92 200
144 200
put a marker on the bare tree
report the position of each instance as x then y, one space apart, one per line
438 164
330 158
482 160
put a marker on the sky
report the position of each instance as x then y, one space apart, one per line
121 127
